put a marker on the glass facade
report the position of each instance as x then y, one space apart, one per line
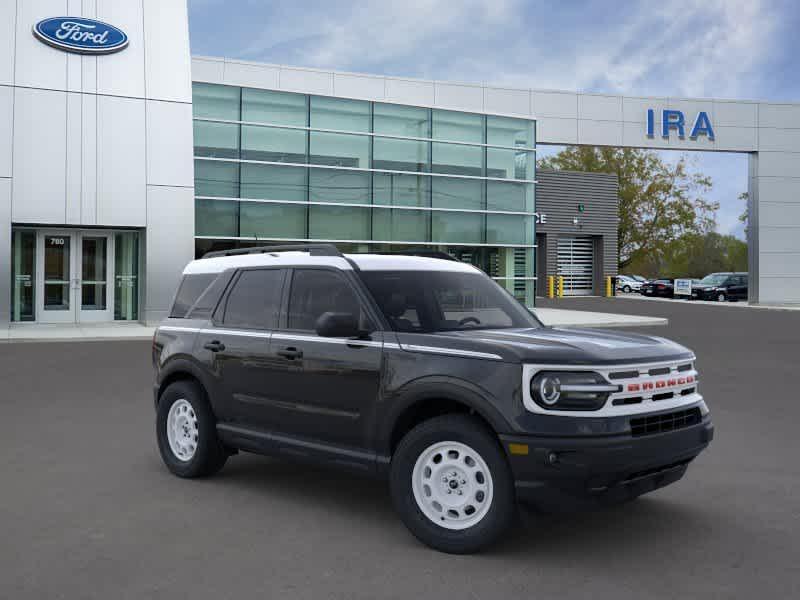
282 167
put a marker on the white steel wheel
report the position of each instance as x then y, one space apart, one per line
721 298
182 431
452 485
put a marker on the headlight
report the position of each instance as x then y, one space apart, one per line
565 390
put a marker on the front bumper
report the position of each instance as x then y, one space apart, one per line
565 472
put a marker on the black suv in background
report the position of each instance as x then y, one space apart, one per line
721 287
421 371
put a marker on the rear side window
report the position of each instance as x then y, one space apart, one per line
189 291
254 301
315 291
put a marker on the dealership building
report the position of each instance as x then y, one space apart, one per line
122 158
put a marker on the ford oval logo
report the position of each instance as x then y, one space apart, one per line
84 36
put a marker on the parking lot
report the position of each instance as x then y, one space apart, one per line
88 511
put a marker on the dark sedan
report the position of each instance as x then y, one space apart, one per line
663 288
721 287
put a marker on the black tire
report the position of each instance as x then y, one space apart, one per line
471 432
626 289
210 455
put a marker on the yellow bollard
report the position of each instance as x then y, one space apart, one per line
551 285
609 289
560 286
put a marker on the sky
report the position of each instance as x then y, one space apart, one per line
705 48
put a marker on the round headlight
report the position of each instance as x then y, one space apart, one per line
549 389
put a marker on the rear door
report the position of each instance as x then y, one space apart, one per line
321 387
236 344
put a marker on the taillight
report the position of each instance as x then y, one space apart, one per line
660 286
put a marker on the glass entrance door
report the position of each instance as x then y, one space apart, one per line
73 281
95 303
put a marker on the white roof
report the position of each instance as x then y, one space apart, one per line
365 262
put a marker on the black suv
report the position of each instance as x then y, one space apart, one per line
425 372
721 287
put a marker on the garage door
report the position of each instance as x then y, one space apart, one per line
575 264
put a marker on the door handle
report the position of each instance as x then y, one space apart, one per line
214 346
290 353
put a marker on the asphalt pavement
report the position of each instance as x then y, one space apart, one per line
88 511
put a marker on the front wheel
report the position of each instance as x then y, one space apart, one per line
627 289
721 297
451 484
186 431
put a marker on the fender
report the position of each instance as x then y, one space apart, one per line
186 364
431 388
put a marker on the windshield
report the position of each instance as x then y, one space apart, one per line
713 279
433 301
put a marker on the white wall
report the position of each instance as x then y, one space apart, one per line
85 140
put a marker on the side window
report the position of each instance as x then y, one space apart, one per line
316 291
254 301
189 291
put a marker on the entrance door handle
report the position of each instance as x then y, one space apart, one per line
290 353
214 346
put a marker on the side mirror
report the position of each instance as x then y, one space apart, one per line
337 324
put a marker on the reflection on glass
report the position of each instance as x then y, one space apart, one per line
333 185
339 223
457 159
56 272
273 182
126 275
266 106
400 190
283 221
457 193
23 267
273 144
509 164
457 126
216 217
400 225
219 179
93 273
338 113
505 131
457 227
400 155
509 196
507 229
407 121
215 101
339 150
217 140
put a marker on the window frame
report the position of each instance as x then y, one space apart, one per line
350 279
218 317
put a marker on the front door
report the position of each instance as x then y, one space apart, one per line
73 280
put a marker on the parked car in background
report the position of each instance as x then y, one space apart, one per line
663 288
627 284
721 287
639 278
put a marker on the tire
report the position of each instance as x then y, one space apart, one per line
202 454
488 506
627 289
721 297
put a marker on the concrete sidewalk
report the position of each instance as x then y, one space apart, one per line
90 332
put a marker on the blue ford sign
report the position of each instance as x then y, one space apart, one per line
84 36
674 120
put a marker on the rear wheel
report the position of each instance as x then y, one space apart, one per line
452 485
186 431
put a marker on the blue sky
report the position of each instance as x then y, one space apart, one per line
710 48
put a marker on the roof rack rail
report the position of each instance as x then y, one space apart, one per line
422 252
313 249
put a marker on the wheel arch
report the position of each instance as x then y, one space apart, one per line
182 370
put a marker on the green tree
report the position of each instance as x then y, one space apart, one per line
659 202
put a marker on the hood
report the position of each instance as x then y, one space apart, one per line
554 345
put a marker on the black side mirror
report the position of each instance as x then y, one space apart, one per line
337 324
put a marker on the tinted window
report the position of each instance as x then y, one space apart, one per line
207 302
315 291
189 291
254 300
429 301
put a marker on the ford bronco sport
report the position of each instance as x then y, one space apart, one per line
423 371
